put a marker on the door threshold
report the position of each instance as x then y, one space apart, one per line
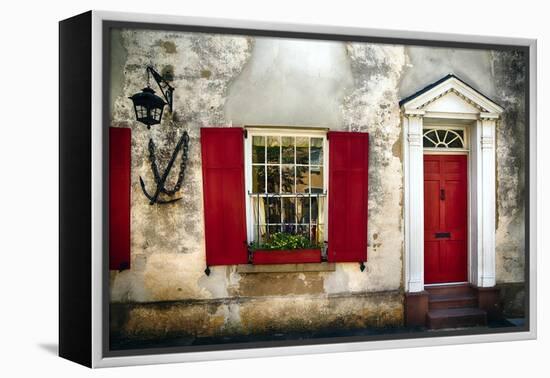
446 284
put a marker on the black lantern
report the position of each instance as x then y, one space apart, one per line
147 105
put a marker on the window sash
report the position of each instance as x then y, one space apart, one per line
252 225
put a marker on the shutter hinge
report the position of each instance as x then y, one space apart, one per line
245 133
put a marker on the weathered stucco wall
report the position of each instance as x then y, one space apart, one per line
510 85
235 80
168 258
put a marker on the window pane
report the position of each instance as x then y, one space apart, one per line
428 143
314 210
302 150
455 138
319 211
430 138
258 179
274 210
287 176
273 230
302 209
259 210
441 135
316 179
273 149
315 234
289 228
258 149
456 143
289 210
273 178
288 150
320 234
316 151
260 234
304 231
302 179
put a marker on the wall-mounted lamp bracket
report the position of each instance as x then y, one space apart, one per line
166 89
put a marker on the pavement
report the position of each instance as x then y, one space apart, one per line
299 338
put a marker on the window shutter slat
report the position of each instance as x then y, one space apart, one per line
120 140
348 196
224 195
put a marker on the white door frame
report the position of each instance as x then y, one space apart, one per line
447 101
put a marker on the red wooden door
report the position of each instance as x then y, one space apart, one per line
445 218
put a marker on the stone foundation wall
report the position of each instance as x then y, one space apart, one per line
512 299
255 315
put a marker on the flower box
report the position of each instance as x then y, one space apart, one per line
286 256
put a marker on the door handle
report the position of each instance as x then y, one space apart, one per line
442 194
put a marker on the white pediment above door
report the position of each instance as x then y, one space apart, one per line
451 103
450 97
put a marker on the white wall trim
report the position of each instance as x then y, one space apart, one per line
481 196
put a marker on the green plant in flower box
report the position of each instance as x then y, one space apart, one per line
285 241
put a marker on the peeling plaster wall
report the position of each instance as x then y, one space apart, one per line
235 80
509 73
167 247
372 106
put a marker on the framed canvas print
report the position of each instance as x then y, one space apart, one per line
232 189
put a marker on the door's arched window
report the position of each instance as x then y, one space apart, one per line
444 138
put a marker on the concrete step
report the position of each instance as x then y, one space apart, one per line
456 318
445 301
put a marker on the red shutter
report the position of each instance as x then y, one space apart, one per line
348 196
120 141
224 195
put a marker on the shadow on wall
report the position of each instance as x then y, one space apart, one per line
429 64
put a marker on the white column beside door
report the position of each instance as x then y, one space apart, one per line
414 203
486 256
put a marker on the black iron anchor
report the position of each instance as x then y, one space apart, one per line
160 181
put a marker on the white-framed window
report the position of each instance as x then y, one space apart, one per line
286 174
449 138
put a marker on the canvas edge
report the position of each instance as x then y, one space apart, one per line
98 360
